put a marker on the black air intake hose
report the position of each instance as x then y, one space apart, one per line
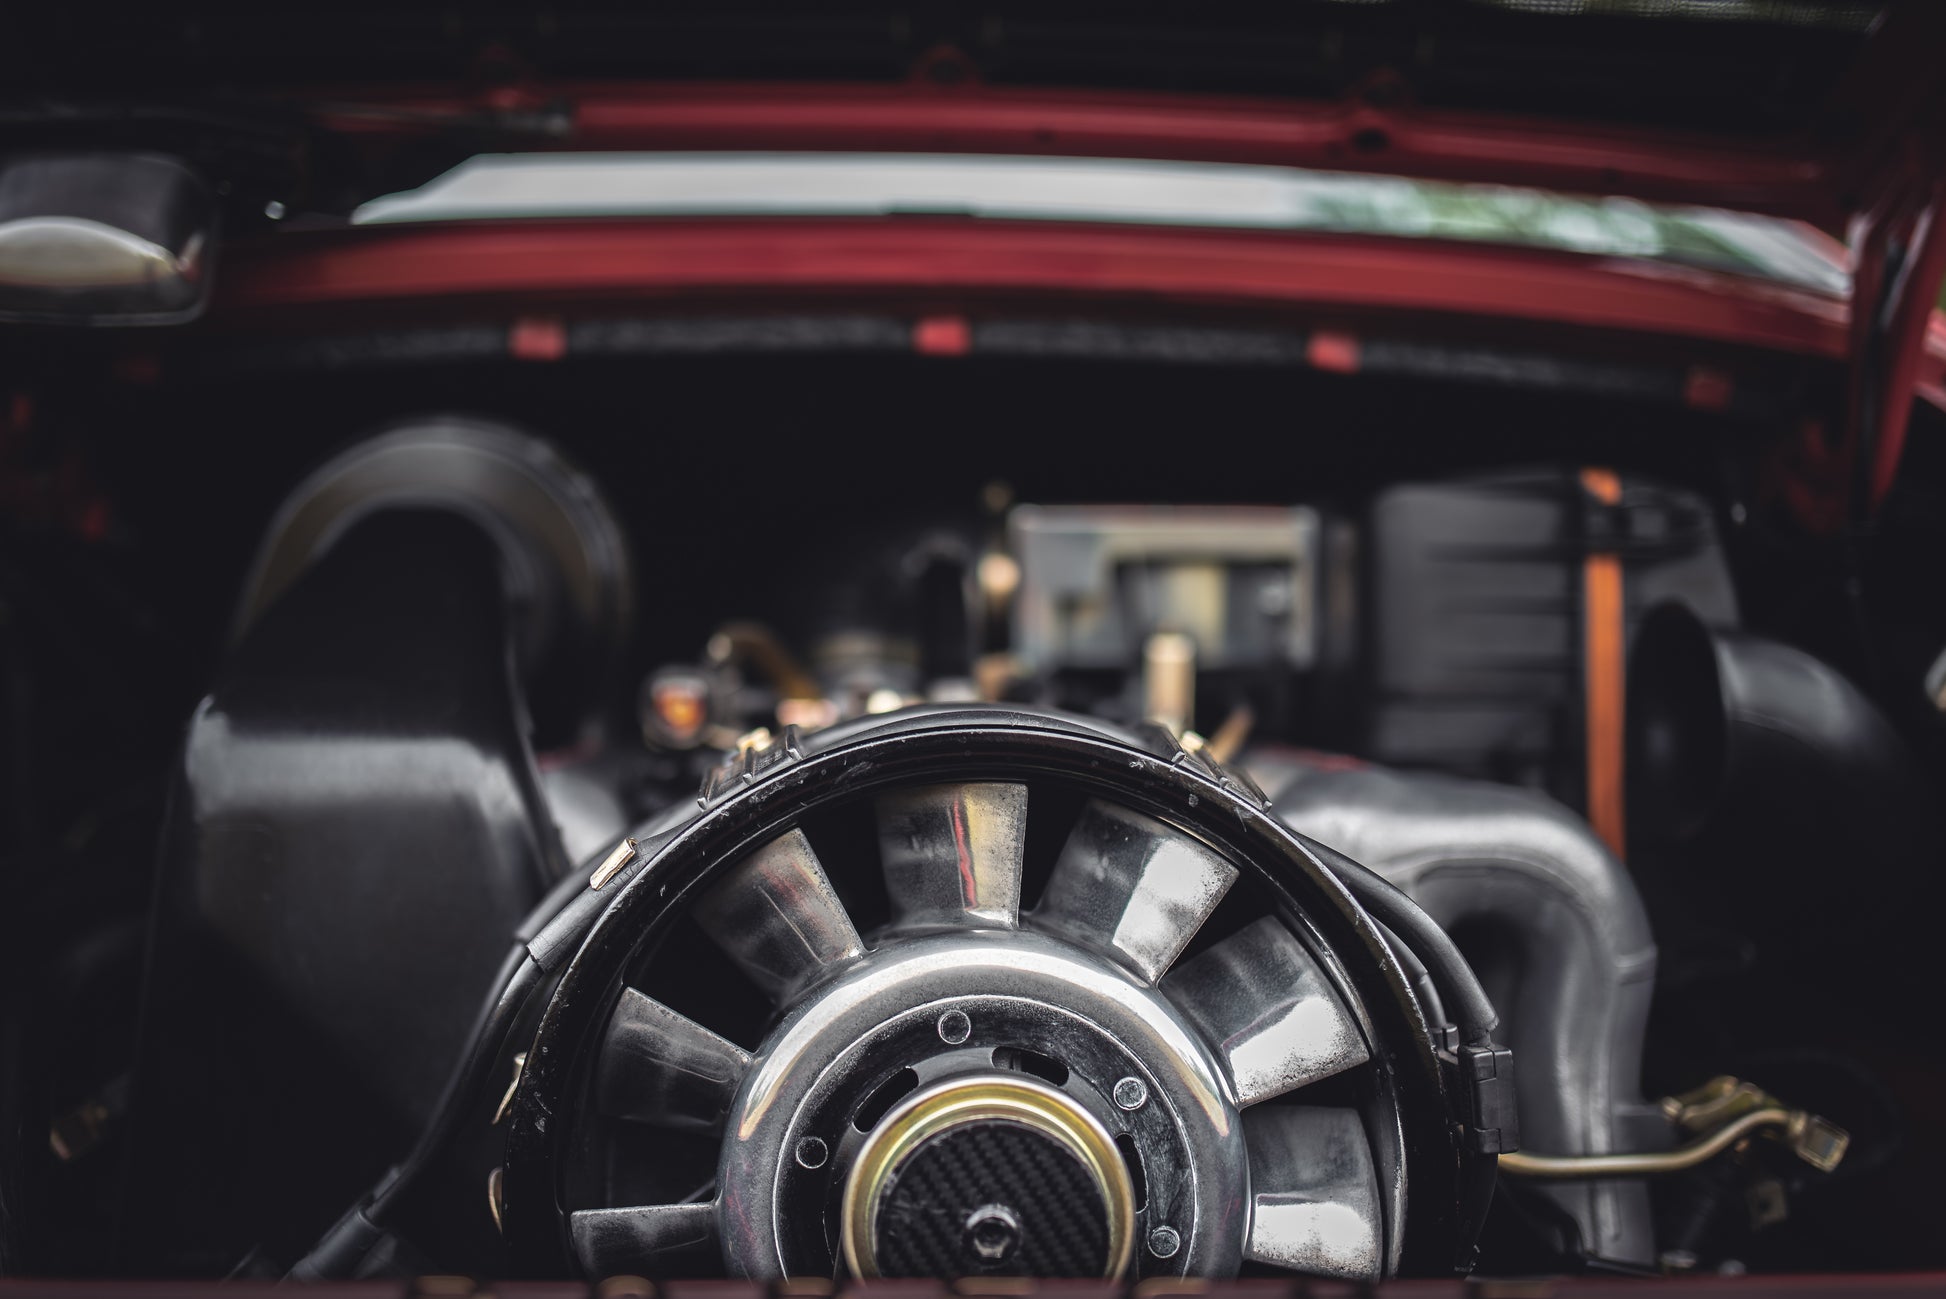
1725 725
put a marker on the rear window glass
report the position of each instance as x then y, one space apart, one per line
1248 196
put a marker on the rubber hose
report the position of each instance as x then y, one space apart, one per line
1466 1000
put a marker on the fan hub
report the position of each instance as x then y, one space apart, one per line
989 1174
1010 998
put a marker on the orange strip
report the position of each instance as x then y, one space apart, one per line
1603 638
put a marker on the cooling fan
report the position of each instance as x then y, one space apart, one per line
818 1029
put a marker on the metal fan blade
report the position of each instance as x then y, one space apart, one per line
1128 883
1263 1003
658 1067
1313 1192
613 1242
778 917
952 854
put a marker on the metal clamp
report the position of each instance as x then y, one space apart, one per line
1483 1078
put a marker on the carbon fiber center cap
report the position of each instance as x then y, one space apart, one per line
989 1175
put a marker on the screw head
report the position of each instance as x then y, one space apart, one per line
1131 1094
992 1233
812 1152
1164 1242
954 1027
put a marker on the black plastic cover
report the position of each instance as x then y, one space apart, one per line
1475 611
357 832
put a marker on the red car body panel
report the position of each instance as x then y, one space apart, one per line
956 261
1882 118
1870 170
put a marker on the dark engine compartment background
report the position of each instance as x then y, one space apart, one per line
783 488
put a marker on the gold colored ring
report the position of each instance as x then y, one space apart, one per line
984 1099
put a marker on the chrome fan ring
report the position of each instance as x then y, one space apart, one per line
1073 1017
1042 1002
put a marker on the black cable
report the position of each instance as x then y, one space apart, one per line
544 941
519 976
1465 999
364 1227
354 1237
1417 977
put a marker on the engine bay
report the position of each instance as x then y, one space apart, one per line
818 815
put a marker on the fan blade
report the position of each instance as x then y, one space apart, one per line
778 918
1129 883
1313 1192
1263 1003
658 1067
952 854
614 1242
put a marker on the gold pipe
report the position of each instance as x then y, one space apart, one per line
1169 680
757 645
1229 738
1649 1164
